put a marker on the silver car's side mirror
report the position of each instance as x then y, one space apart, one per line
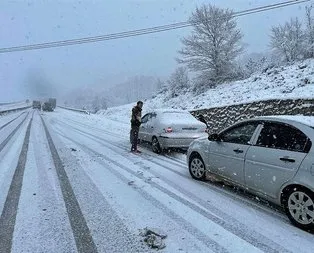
201 118
214 137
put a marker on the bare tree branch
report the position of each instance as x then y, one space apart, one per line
309 33
179 81
213 45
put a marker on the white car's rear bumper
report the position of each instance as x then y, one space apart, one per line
169 141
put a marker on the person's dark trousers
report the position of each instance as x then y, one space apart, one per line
134 138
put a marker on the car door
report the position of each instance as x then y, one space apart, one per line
142 135
275 158
226 157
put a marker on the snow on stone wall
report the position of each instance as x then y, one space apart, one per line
221 117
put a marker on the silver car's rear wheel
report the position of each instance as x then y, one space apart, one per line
197 168
300 208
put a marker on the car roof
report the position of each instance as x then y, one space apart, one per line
170 111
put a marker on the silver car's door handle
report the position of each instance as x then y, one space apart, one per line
287 159
238 151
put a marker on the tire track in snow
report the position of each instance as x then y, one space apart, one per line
42 220
180 162
3 126
9 212
237 228
120 146
174 159
243 198
5 142
110 233
95 128
226 192
189 227
82 235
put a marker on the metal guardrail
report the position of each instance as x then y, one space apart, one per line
6 103
14 110
11 103
74 109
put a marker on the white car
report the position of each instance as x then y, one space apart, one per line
167 129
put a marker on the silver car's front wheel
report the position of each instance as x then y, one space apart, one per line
300 208
197 168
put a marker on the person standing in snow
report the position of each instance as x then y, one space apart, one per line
135 125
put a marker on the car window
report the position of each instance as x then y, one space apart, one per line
240 134
145 118
282 136
178 117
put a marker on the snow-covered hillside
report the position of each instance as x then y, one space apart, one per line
295 81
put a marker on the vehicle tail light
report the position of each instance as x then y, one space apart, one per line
168 130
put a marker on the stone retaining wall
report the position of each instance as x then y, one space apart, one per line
221 117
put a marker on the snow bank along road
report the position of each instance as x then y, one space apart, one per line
68 183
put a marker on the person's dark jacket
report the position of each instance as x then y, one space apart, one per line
136 116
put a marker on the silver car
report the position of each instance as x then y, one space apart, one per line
272 157
170 129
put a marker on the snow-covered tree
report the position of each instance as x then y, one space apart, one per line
96 104
201 83
163 88
255 65
159 84
288 40
179 81
99 103
213 46
309 33
103 103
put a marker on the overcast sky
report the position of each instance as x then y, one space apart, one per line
35 21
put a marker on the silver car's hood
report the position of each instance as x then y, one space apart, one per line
203 138
199 141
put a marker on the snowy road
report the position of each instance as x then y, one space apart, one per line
68 183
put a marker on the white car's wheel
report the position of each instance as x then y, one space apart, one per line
299 207
156 146
197 167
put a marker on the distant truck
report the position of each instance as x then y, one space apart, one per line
48 107
36 105
53 102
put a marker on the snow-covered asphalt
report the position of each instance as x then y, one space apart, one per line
68 183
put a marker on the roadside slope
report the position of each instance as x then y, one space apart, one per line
287 82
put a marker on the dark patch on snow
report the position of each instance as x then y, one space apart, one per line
154 237
302 66
131 183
